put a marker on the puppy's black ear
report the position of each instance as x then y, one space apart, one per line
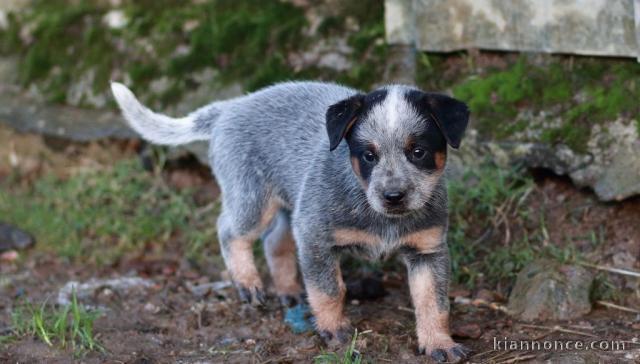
451 115
341 117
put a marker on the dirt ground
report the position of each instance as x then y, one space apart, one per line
169 323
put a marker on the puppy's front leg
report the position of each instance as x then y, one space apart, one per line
325 291
428 283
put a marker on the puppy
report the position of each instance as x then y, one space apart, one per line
335 169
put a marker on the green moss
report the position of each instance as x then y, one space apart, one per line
246 41
498 94
579 91
574 135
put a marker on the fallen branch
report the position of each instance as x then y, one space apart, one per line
617 307
625 272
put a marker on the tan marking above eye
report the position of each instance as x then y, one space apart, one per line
424 241
440 159
345 237
356 166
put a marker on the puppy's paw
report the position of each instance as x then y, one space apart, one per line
254 295
338 337
446 352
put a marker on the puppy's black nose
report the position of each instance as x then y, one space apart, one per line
393 197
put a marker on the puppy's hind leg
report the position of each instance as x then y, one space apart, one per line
280 251
238 229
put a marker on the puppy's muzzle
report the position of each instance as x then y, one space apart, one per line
395 201
393 197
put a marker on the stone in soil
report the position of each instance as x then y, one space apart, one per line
87 290
546 290
14 238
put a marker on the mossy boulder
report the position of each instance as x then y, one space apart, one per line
575 117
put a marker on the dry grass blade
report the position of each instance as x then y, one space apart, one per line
622 271
558 329
618 307
517 359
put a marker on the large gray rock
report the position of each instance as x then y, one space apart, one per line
595 27
546 290
610 165
26 112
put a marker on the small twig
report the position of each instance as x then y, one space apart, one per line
625 272
405 309
559 329
493 358
486 234
617 307
482 354
517 359
480 303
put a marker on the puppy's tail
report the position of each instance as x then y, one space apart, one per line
159 128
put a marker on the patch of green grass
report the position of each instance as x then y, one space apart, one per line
67 326
481 204
99 215
603 289
493 231
350 356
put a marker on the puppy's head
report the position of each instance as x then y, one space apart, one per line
397 138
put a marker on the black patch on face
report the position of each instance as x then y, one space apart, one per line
432 142
358 148
431 139
448 114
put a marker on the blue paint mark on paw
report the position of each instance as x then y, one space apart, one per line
297 318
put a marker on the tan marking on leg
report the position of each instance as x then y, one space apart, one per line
440 159
328 310
268 213
424 241
241 263
284 268
432 324
344 237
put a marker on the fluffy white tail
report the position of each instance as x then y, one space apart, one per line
154 127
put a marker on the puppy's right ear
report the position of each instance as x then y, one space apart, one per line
341 117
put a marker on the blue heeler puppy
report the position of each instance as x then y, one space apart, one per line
329 169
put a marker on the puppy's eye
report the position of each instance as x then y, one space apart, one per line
418 153
369 157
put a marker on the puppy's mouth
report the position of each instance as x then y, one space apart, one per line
396 211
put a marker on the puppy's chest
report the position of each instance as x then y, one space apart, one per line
423 241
